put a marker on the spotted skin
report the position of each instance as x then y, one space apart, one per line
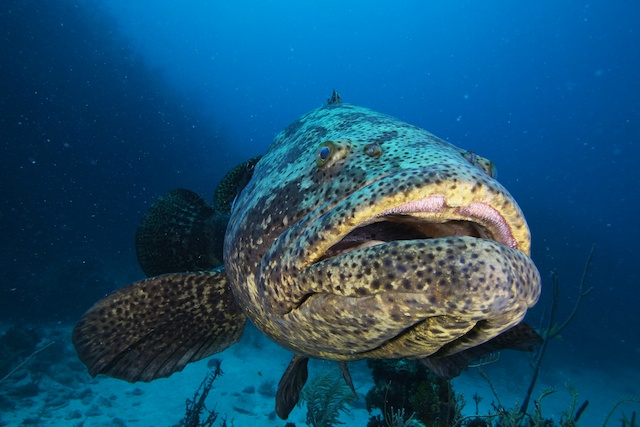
469 282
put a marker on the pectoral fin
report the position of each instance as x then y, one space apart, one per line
153 328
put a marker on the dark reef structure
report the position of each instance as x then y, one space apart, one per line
408 386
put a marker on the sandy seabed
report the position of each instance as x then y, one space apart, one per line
61 393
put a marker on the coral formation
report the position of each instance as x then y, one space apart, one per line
409 385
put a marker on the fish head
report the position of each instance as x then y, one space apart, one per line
360 235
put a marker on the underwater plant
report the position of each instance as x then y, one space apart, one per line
625 421
326 396
553 330
196 407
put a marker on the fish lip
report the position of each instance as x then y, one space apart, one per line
475 211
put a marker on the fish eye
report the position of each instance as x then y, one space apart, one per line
324 153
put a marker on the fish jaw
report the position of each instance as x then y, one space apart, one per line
407 308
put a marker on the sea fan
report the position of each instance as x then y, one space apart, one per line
326 396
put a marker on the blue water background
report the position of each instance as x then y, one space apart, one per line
106 106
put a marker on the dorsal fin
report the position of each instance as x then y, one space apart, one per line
154 327
180 232
231 184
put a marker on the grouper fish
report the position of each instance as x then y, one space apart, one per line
354 236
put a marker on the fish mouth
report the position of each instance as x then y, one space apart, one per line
424 219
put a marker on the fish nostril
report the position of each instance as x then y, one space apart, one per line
373 150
